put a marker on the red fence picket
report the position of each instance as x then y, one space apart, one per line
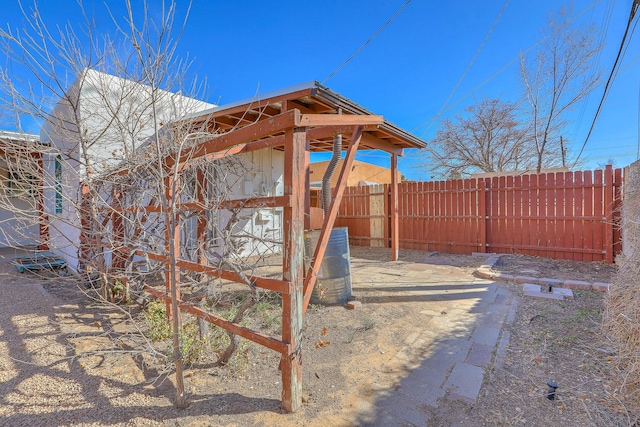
566 215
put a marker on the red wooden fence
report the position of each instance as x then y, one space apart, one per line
565 215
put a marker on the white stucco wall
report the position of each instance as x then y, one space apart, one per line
18 229
113 115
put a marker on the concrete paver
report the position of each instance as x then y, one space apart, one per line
465 381
480 355
486 335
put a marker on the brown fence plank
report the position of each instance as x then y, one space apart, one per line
448 218
510 228
554 215
587 233
460 242
466 211
598 200
534 210
421 226
608 209
482 215
544 199
525 215
579 225
517 212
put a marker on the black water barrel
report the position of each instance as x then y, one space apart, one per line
334 275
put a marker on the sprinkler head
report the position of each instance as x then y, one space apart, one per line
551 391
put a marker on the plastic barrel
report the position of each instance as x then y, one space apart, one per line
334 275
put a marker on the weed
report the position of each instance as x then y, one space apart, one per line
368 324
240 360
191 344
315 307
155 315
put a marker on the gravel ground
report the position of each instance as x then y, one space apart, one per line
64 361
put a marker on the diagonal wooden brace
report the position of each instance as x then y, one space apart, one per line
311 276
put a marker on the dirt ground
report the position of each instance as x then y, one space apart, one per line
76 362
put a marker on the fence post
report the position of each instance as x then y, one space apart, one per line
608 209
482 214
393 209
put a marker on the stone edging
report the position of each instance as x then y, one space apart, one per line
485 271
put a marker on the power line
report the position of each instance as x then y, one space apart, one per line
507 65
614 71
464 74
596 60
385 25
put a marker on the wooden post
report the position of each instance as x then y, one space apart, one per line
332 213
608 209
395 235
172 231
172 280
293 267
202 219
307 186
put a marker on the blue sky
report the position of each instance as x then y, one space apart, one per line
407 72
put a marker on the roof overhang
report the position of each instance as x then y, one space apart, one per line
310 99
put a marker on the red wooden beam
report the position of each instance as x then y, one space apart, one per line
257 337
280 286
311 276
293 268
395 242
253 132
202 219
270 142
252 203
312 120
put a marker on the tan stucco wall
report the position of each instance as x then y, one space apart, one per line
360 171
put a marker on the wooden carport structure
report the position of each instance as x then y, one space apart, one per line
296 120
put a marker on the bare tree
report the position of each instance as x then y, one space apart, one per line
488 138
111 119
555 79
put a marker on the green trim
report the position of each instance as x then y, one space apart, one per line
58 174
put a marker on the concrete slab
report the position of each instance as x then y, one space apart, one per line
447 354
465 380
486 335
601 287
577 285
480 355
535 291
525 279
405 409
542 295
425 385
547 280
567 293
493 320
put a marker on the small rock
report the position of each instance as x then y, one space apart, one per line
352 305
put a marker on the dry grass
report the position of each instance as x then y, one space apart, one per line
622 306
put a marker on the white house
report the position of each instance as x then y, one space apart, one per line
102 120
